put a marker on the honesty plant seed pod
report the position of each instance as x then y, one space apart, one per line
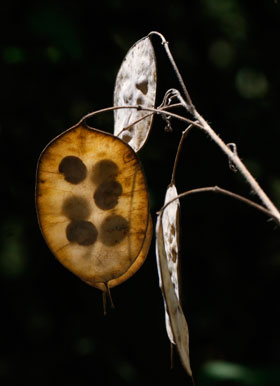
135 85
176 324
135 265
92 203
171 233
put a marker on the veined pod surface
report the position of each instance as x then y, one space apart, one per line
135 85
92 204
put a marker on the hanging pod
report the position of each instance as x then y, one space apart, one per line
167 254
92 205
136 85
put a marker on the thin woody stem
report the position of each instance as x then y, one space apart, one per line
147 116
234 158
143 108
184 134
232 155
217 189
134 123
174 65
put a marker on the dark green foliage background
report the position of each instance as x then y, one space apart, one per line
58 62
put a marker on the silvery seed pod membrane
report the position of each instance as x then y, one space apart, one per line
135 85
167 253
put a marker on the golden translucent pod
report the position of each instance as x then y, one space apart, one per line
135 265
92 204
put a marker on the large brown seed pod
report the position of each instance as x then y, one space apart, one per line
92 203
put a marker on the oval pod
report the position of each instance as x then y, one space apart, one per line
135 85
171 236
92 203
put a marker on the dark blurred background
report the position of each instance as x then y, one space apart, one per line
58 62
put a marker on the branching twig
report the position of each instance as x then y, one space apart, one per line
134 123
217 189
232 155
162 107
234 158
177 72
139 107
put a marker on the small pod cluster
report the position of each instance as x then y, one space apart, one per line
92 205
92 200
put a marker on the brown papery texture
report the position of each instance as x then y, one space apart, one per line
136 265
92 203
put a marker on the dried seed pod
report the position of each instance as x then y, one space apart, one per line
135 85
92 203
176 324
171 233
135 265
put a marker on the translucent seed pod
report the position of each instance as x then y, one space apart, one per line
135 85
92 204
